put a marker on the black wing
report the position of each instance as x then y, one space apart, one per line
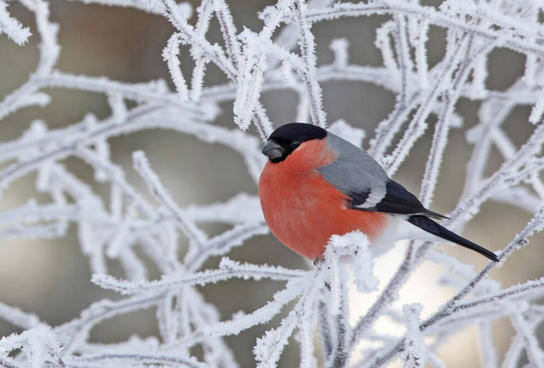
396 200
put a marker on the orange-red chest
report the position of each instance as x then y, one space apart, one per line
302 209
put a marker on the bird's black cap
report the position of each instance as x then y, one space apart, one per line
299 132
288 137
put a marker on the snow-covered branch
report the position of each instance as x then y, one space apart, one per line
145 231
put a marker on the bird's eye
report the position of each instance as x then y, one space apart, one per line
294 145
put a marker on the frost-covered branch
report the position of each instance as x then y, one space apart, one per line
147 231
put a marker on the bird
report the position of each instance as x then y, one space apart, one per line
315 184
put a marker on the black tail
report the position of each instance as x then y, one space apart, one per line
432 227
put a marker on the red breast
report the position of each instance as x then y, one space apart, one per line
302 209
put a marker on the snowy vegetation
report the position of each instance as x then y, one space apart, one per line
280 56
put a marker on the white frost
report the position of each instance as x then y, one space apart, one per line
142 233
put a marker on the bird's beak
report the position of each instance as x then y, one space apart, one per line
273 150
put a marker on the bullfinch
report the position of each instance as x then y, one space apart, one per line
316 184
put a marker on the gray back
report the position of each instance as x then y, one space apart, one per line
354 171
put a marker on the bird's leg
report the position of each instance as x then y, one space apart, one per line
319 262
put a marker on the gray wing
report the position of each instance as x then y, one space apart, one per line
356 174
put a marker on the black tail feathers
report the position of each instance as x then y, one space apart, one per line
425 223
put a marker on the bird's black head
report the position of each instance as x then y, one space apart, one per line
288 137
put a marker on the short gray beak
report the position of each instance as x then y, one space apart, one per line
273 150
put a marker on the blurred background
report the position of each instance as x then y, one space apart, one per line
51 277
